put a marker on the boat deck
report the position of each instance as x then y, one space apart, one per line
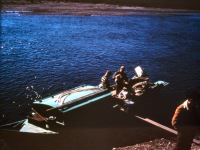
70 96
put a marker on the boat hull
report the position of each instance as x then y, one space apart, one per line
62 105
105 128
94 125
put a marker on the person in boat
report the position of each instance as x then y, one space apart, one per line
104 80
122 73
186 120
121 79
119 83
140 87
125 93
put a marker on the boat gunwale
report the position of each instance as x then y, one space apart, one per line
77 100
39 101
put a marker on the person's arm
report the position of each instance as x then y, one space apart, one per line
125 77
178 118
114 75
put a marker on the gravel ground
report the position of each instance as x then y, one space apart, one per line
158 144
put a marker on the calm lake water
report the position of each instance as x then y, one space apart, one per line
46 54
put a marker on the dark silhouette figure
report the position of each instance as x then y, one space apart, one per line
186 120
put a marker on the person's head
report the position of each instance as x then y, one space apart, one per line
193 97
122 69
108 73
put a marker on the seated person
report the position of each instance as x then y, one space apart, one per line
140 87
119 83
104 80
121 79
122 73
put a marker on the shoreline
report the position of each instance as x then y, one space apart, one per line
85 9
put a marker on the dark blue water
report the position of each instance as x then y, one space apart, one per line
45 54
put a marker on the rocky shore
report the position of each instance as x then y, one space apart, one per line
157 144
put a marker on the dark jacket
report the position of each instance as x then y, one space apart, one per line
105 82
123 74
184 117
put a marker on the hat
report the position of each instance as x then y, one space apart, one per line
122 67
109 72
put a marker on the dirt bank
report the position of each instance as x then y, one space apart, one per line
80 9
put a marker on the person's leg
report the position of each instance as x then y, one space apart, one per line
184 141
118 89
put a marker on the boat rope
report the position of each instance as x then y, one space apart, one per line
40 115
21 122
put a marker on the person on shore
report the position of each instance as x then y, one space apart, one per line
186 120
105 81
